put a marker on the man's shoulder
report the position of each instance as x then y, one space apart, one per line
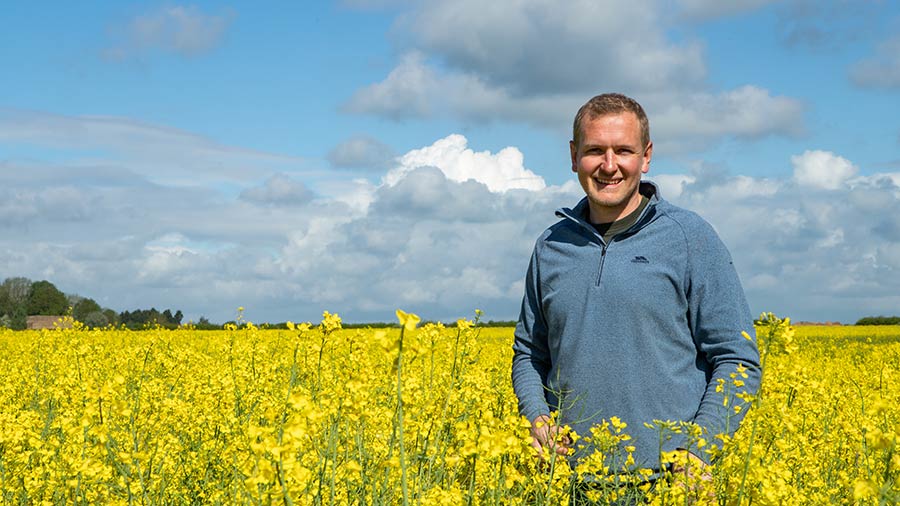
563 228
699 236
690 222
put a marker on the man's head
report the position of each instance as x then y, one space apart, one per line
610 103
610 151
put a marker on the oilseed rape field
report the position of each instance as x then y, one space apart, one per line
417 414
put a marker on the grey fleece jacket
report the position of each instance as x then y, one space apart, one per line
640 328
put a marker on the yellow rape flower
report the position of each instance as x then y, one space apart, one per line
408 320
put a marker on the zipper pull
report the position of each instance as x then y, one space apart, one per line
602 260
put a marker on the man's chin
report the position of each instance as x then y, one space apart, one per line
606 203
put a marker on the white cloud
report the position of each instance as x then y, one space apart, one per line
534 47
403 94
822 169
747 111
499 172
361 152
181 30
448 230
416 90
881 70
356 195
535 63
671 186
808 254
159 153
278 190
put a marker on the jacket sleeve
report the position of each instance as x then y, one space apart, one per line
719 314
531 357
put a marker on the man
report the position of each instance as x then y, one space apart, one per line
632 307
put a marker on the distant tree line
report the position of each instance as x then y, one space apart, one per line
20 298
879 320
141 318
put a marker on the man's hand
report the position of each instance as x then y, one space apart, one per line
689 463
545 438
695 476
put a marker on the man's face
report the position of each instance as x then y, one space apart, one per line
609 163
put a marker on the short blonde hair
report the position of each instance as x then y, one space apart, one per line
610 103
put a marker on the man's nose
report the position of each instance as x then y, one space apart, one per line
609 160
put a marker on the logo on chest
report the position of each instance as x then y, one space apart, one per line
640 260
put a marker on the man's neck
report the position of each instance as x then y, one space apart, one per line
605 214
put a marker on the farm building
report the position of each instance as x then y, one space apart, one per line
47 322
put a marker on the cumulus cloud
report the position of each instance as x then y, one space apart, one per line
428 244
822 169
881 70
499 172
358 248
534 63
748 112
436 245
361 152
672 185
176 29
805 253
416 89
536 47
449 229
403 94
278 190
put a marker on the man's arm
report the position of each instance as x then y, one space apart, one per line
531 360
719 313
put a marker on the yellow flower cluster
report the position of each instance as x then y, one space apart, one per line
318 414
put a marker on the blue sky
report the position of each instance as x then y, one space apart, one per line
363 156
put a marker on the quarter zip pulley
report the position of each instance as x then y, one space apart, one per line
602 259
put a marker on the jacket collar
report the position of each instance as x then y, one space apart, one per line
577 214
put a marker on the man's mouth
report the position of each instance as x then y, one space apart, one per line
608 182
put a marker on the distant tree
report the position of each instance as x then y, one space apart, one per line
95 319
111 316
5 321
18 318
879 320
46 299
84 307
141 318
204 324
14 295
17 290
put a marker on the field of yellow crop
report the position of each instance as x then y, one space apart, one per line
412 415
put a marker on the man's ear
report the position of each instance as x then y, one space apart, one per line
573 151
648 154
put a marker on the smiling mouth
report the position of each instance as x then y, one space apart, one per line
608 182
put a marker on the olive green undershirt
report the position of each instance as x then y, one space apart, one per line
610 230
